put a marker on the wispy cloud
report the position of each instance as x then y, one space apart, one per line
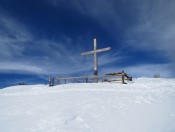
22 52
143 24
146 70
155 28
149 70
12 38
19 67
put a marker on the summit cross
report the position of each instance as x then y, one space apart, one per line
95 51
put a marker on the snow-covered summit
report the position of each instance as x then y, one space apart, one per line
144 105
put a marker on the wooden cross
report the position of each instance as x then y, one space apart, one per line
95 51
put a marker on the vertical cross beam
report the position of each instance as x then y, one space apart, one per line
95 60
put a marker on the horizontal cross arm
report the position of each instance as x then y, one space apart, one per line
96 51
88 53
103 49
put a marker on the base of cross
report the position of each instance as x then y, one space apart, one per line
123 74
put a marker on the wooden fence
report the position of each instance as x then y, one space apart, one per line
86 79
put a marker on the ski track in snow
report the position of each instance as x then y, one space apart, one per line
144 105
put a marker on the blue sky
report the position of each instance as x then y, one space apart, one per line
39 38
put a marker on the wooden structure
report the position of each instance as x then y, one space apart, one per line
95 51
105 78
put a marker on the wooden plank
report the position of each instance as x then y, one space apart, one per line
103 49
95 61
89 77
88 52
96 51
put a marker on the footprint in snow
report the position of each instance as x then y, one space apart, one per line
76 123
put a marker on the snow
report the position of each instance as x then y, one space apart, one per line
144 105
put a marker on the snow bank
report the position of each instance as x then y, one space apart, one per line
145 105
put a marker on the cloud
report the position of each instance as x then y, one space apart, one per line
155 28
13 36
12 67
8 50
12 30
21 52
150 70
143 24
103 12
146 70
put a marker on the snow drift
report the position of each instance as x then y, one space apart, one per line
145 105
